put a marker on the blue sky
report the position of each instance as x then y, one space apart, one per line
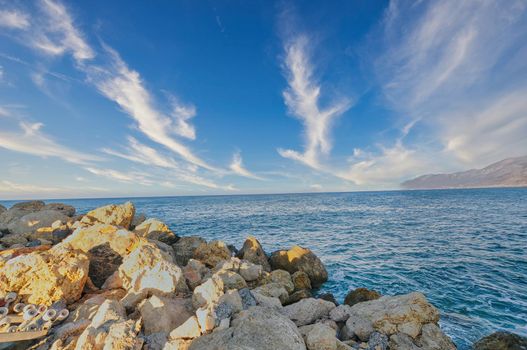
125 98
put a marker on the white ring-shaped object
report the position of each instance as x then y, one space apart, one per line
3 311
32 327
42 308
12 329
18 308
62 314
29 307
11 296
29 314
49 315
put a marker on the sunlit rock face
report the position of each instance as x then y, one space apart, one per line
300 259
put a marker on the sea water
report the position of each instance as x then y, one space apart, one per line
466 250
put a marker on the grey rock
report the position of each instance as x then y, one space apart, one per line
31 222
360 295
432 338
248 299
378 341
65 209
306 311
300 259
252 251
359 326
185 247
501 341
104 261
256 328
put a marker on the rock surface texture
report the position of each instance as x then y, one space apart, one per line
130 283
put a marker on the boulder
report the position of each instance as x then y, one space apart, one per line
378 341
306 311
17 211
12 239
155 229
185 247
300 259
321 337
255 328
402 313
360 327
247 298
401 341
432 338
43 277
283 278
208 292
267 302
252 251
501 341
148 270
341 313
194 273
274 290
121 241
137 220
301 280
212 253
297 296
188 330
328 297
359 295
163 314
117 215
2 209
206 319
31 222
233 299
231 280
65 209
109 329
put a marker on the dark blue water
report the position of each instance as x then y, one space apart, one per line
465 249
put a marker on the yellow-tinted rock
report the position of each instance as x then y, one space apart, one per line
118 215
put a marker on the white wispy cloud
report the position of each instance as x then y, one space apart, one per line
128 177
237 167
30 139
59 34
182 114
302 99
124 86
460 68
14 19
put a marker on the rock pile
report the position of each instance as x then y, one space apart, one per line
132 283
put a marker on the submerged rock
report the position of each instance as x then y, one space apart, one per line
255 328
300 259
501 341
359 295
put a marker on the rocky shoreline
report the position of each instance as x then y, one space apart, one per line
131 283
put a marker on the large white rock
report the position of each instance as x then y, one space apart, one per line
308 310
155 229
255 328
188 330
148 270
109 329
402 313
208 293
44 277
118 215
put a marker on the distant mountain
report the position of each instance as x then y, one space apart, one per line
511 172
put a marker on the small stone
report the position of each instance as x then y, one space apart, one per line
360 327
248 298
321 337
341 313
301 280
360 295
378 341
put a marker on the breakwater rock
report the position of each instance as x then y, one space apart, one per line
131 283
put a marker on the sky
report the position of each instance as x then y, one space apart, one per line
140 98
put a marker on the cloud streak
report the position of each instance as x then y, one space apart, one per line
14 19
237 167
302 99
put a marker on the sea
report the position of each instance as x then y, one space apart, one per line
466 250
